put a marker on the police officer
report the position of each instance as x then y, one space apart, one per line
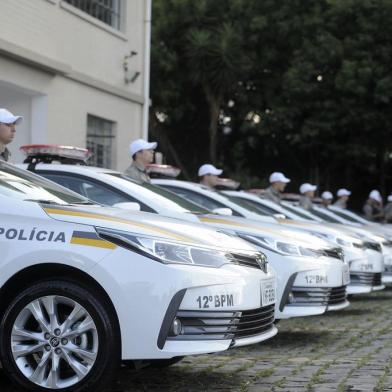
326 199
208 175
388 210
307 194
278 182
142 153
343 196
8 124
373 206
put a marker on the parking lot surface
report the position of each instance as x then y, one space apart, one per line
349 350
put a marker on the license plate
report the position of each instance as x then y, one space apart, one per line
267 293
346 276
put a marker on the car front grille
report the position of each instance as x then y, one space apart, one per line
317 296
258 260
366 278
222 325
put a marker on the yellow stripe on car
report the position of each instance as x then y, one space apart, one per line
91 242
93 215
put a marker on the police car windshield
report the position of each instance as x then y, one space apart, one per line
297 212
194 208
21 184
152 192
352 218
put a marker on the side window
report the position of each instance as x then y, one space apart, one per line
94 190
198 198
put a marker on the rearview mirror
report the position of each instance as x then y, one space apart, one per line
223 211
131 206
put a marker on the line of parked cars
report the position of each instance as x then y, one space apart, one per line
98 270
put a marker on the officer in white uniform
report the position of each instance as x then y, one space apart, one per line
8 123
208 175
142 153
307 194
326 199
278 182
343 196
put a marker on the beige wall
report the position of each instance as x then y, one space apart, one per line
56 30
61 107
58 64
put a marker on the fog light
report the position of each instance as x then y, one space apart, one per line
176 327
291 298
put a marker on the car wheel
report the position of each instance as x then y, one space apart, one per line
56 335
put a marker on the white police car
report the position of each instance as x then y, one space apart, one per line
83 287
364 256
311 275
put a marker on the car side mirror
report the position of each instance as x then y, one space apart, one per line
131 206
223 211
279 216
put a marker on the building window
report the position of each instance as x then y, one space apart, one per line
100 141
107 11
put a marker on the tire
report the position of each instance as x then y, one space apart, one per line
83 350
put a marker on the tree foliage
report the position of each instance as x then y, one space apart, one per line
303 86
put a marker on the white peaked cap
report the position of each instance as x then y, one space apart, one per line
375 195
6 117
307 188
343 192
140 144
209 169
327 195
278 177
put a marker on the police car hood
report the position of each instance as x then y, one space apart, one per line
325 228
360 232
264 229
142 223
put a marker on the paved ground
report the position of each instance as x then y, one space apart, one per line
350 350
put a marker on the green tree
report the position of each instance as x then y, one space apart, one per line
309 86
197 60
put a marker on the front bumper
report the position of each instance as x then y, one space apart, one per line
312 291
143 291
303 301
365 282
240 327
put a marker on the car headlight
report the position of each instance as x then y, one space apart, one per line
286 248
166 251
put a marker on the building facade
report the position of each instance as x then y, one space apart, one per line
78 71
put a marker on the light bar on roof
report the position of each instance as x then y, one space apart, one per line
165 170
77 153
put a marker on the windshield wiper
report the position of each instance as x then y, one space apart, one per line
44 201
84 203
